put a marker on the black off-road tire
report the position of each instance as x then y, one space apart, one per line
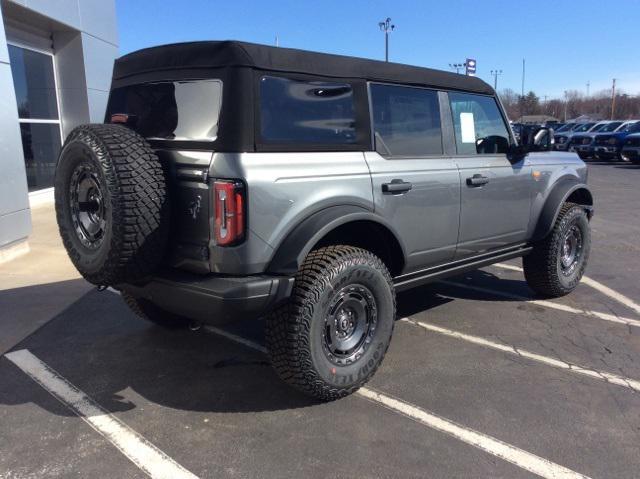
133 206
543 268
152 313
296 332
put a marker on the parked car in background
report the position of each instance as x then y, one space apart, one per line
582 143
607 146
630 150
565 127
562 139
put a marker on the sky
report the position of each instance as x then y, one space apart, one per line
565 43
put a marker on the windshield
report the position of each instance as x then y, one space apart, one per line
584 127
611 126
564 127
180 110
627 127
599 127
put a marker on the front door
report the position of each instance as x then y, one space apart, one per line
415 187
495 193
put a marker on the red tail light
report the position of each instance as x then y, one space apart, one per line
229 207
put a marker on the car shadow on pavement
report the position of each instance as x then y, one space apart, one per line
116 358
122 361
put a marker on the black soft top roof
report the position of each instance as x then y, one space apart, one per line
217 54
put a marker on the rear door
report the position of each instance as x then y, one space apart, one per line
495 192
415 186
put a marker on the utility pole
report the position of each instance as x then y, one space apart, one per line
523 71
387 27
588 85
566 103
495 74
613 99
277 41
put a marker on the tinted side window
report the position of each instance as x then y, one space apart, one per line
310 112
406 121
478 125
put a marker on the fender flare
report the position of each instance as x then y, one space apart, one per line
292 251
551 209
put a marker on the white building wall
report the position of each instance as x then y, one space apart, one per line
82 35
15 218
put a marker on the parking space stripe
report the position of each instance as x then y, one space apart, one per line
548 304
523 459
606 290
556 363
139 450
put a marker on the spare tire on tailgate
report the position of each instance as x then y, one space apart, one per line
112 204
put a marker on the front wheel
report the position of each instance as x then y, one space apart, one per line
556 264
332 334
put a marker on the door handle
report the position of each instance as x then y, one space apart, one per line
477 180
396 187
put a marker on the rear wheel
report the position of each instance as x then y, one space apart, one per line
556 264
152 313
333 333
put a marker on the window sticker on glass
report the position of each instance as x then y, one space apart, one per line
467 127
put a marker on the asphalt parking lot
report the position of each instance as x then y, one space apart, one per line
481 380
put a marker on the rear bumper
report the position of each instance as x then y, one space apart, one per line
213 299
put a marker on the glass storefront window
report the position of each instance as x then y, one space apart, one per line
35 87
41 145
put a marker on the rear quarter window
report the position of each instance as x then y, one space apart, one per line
180 110
306 112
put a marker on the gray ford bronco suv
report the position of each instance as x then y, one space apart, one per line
234 181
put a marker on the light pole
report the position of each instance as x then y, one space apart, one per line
566 103
457 66
495 74
387 27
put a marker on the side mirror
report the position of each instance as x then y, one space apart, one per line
542 139
537 138
518 151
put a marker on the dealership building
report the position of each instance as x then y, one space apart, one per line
56 60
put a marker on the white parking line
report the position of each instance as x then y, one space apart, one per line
606 290
523 459
556 363
548 304
139 450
